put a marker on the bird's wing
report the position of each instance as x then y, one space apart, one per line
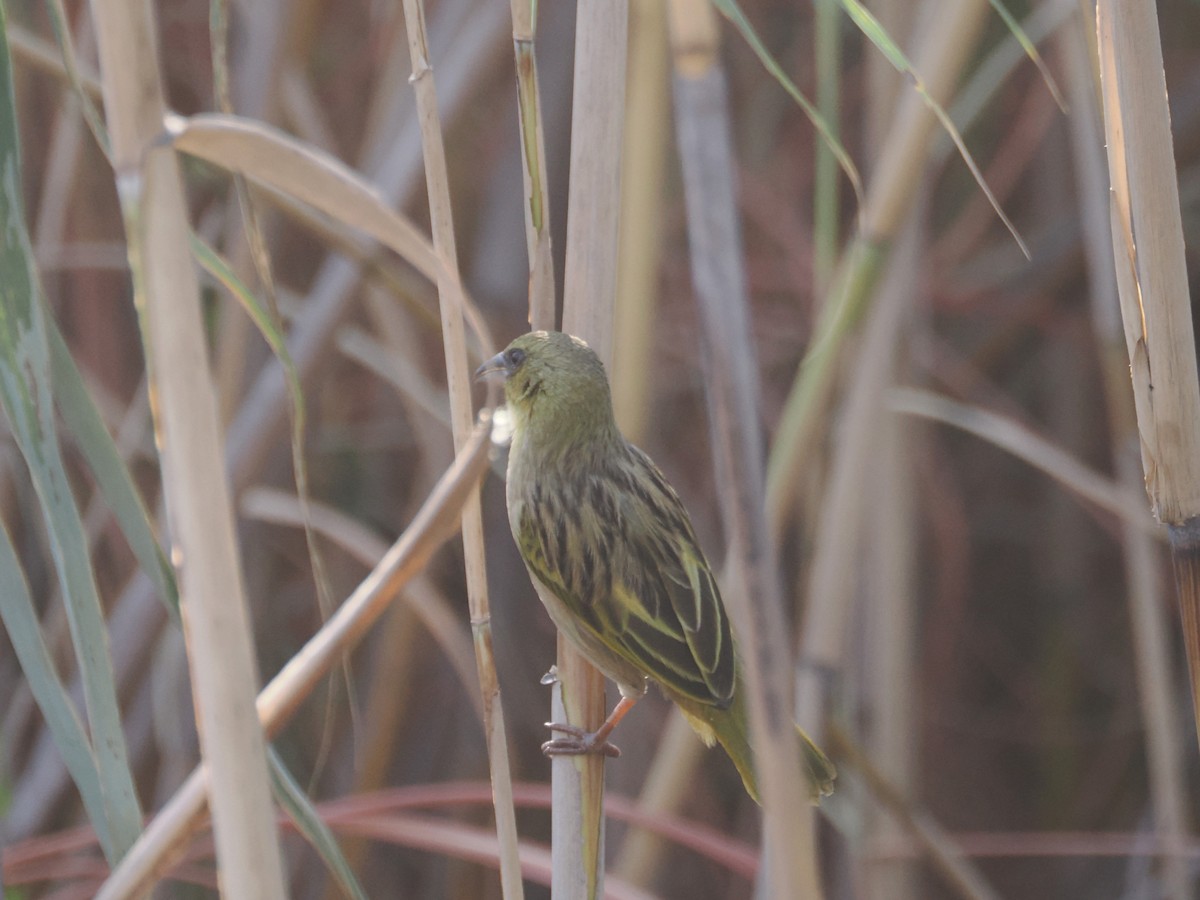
621 554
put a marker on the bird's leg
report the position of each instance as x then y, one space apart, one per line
582 742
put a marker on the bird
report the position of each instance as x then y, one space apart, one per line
614 558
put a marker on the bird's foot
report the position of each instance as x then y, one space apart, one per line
579 742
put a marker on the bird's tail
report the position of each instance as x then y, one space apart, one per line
730 728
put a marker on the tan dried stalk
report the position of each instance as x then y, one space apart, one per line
647 133
643 165
533 170
1144 584
216 621
598 112
1148 251
458 374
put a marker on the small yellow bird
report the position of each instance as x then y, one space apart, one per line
613 556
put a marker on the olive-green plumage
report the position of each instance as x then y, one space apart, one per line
611 550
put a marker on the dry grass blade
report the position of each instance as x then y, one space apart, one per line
221 658
271 157
434 524
458 384
1025 444
464 842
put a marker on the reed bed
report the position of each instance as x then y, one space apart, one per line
260 605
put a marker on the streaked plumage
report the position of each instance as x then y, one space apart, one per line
610 547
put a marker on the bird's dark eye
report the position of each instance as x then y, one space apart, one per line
515 357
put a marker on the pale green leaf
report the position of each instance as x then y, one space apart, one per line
310 824
26 394
730 10
108 468
21 622
878 36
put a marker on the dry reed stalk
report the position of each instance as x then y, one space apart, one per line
435 523
754 597
892 644
589 294
865 517
429 606
542 311
458 374
1152 282
647 132
1144 587
668 781
944 49
217 622
890 635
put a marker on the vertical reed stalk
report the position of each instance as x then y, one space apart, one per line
1144 587
754 597
216 620
1152 282
1148 251
828 60
458 383
533 156
598 114
647 132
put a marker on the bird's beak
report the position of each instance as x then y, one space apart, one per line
491 367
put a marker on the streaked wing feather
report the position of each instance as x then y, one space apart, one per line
628 566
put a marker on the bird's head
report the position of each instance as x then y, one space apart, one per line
554 380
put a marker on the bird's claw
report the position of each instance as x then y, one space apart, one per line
579 743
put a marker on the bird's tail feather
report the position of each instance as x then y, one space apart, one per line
730 728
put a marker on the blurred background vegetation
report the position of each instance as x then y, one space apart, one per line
986 657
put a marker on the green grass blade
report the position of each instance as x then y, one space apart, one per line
212 263
310 824
61 24
108 468
1031 51
878 36
826 209
21 622
730 10
26 394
